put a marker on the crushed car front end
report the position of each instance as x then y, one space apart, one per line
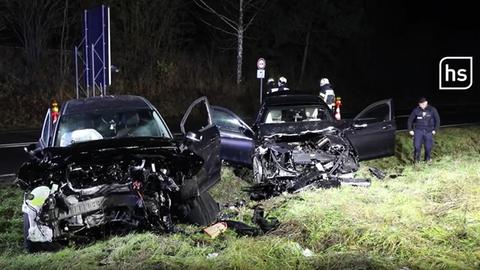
309 154
103 187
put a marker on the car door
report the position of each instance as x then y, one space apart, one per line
237 142
43 141
372 131
204 140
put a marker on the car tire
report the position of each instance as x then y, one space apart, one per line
203 210
32 247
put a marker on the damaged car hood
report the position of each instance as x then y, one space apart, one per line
111 151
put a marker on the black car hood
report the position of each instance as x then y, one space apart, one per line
294 128
114 145
112 150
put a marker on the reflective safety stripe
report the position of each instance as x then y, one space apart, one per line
37 202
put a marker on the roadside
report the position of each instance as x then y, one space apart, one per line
425 217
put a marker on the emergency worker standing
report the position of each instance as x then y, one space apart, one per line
327 93
423 124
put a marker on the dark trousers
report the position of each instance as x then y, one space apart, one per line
424 137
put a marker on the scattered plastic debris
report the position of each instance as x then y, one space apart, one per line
379 174
212 255
216 229
307 253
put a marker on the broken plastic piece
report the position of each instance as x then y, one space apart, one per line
216 229
379 174
307 253
265 225
212 255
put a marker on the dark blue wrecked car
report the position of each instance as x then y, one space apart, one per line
295 142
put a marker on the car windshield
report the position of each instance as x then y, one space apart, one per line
297 113
75 128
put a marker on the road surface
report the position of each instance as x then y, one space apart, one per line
12 142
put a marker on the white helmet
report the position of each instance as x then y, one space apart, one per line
282 81
324 81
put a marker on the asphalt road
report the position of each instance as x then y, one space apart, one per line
12 142
12 154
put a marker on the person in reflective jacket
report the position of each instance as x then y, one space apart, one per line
423 124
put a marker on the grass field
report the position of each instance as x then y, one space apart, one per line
426 218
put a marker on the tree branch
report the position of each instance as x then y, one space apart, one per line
208 8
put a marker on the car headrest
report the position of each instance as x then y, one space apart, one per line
131 119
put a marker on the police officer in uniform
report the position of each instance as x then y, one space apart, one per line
423 124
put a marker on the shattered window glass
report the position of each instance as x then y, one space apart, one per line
295 114
82 127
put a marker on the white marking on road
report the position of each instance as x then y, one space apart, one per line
8 175
445 126
15 145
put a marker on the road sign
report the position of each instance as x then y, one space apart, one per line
261 63
260 73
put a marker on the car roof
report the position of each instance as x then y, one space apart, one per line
291 97
126 102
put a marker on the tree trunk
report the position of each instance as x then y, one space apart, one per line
240 43
63 43
305 55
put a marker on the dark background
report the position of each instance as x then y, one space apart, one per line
171 51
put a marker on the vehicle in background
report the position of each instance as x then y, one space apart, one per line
295 142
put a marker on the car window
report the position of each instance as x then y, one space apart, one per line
226 121
198 118
378 113
295 114
82 127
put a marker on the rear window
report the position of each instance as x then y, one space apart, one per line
298 113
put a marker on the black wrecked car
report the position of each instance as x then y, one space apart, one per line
109 165
295 142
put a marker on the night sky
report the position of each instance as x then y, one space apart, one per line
369 50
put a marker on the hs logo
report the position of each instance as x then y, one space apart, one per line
456 73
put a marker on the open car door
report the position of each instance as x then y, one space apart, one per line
237 142
204 140
372 131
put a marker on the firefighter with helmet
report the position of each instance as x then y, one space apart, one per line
327 93
282 84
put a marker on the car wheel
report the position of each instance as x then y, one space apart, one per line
203 210
257 170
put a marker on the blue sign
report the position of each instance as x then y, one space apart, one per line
97 59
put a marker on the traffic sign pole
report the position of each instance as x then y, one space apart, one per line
261 90
261 64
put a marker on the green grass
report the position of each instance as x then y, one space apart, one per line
428 218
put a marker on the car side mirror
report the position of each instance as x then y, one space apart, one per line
29 149
193 137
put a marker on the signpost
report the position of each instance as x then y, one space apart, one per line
92 56
261 64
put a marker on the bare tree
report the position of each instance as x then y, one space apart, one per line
64 40
147 31
33 22
234 22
